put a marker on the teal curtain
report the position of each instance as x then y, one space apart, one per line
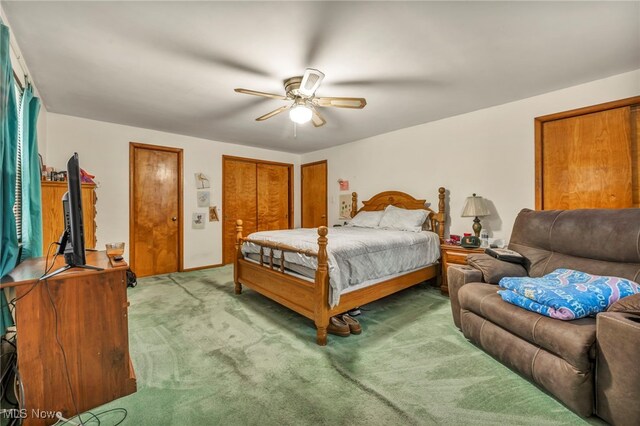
8 153
31 198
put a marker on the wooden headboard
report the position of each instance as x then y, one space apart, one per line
403 200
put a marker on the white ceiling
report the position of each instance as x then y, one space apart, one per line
172 66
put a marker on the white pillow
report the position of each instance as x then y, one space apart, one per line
367 219
403 219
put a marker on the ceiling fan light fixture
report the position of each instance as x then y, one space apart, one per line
300 114
301 90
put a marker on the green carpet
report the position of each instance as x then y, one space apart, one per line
204 356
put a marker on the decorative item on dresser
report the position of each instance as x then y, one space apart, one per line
52 219
309 294
456 255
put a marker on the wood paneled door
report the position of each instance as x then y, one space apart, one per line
313 196
589 158
260 193
155 209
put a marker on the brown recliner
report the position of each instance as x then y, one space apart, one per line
589 364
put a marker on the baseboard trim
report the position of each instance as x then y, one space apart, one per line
198 268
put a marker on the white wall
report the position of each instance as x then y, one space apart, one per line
489 152
104 151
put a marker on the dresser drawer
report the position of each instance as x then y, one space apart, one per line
459 258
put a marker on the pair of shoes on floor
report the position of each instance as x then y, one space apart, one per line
344 325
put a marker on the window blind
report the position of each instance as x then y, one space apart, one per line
17 207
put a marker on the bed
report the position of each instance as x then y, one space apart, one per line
318 278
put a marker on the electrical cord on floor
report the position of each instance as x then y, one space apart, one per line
18 388
96 416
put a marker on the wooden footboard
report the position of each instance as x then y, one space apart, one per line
311 299
306 298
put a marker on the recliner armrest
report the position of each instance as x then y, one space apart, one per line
617 372
457 276
493 270
629 305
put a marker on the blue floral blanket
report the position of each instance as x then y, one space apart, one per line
566 294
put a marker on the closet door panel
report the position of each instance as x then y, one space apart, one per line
587 161
273 197
239 202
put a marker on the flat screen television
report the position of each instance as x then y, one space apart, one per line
71 243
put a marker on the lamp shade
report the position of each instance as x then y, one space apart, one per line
475 207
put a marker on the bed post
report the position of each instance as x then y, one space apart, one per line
321 314
237 256
441 213
354 203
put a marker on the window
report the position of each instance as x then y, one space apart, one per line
17 207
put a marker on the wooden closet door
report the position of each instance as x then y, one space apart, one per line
273 197
587 161
240 202
313 177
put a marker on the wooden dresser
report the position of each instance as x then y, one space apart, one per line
91 319
456 255
52 224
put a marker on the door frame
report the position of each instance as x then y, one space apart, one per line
255 161
326 201
137 145
539 136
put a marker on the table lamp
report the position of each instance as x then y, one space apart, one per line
475 207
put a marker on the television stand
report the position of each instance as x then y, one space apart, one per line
92 319
67 267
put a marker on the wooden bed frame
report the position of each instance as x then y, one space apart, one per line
310 299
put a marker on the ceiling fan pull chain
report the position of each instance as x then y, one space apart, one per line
295 135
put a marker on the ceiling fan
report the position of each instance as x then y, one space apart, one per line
301 90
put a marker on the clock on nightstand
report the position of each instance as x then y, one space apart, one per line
453 255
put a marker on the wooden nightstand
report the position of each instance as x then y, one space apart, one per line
453 255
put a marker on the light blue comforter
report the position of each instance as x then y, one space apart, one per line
566 294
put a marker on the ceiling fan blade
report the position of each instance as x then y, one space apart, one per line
274 112
310 82
357 103
317 119
266 95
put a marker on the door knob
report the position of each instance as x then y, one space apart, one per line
174 218
323 216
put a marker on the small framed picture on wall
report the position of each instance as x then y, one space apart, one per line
345 206
204 198
197 220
